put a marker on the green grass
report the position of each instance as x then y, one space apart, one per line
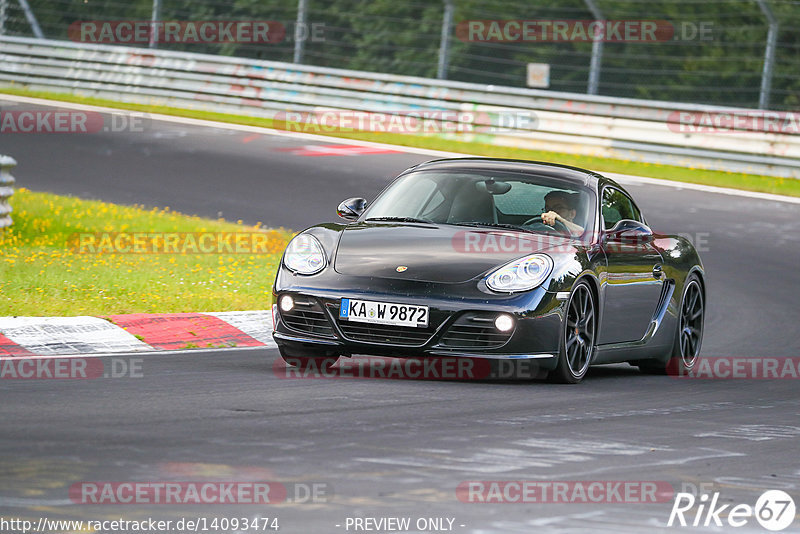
44 272
748 182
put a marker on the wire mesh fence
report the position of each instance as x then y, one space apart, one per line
702 51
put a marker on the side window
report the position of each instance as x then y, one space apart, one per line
617 206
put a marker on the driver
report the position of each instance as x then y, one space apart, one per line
562 206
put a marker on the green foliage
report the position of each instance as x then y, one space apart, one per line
722 66
44 270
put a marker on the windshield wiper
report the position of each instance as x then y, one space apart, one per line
400 219
493 225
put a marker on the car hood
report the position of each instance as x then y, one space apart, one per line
434 253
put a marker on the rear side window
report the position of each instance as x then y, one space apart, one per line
617 206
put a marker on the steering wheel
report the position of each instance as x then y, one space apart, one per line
557 225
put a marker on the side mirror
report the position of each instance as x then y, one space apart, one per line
629 230
351 209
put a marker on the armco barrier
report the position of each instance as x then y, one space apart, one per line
6 189
573 123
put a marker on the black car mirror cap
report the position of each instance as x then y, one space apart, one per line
352 208
628 229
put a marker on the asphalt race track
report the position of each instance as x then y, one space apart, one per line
390 447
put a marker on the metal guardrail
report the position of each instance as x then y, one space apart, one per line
565 122
6 189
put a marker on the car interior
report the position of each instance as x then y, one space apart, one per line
483 200
506 202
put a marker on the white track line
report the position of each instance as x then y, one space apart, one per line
153 352
69 335
56 337
411 150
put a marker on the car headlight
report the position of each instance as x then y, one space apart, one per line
521 275
305 255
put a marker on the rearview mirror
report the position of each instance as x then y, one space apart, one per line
351 209
493 187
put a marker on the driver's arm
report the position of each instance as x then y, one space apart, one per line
550 217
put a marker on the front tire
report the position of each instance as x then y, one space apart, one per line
577 338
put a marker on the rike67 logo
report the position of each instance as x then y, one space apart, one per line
774 510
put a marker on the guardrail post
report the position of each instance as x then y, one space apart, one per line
37 30
6 189
3 16
444 45
769 55
597 51
300 25
154 18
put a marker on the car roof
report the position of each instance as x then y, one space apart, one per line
565 172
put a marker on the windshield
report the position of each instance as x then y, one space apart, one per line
487 198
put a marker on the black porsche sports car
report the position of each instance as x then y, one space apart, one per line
491 258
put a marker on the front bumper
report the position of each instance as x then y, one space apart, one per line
459 327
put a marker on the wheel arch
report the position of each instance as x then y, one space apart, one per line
594 286
701 278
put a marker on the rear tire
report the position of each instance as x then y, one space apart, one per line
577 347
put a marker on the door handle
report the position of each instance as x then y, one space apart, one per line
657 271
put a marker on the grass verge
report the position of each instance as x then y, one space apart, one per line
748 182
45 270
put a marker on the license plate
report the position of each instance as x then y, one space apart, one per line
367 311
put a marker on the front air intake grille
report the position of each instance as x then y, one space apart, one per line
307 317
475 331
378 333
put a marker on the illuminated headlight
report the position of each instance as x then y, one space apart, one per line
304 255
287 303
521 275
504 322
